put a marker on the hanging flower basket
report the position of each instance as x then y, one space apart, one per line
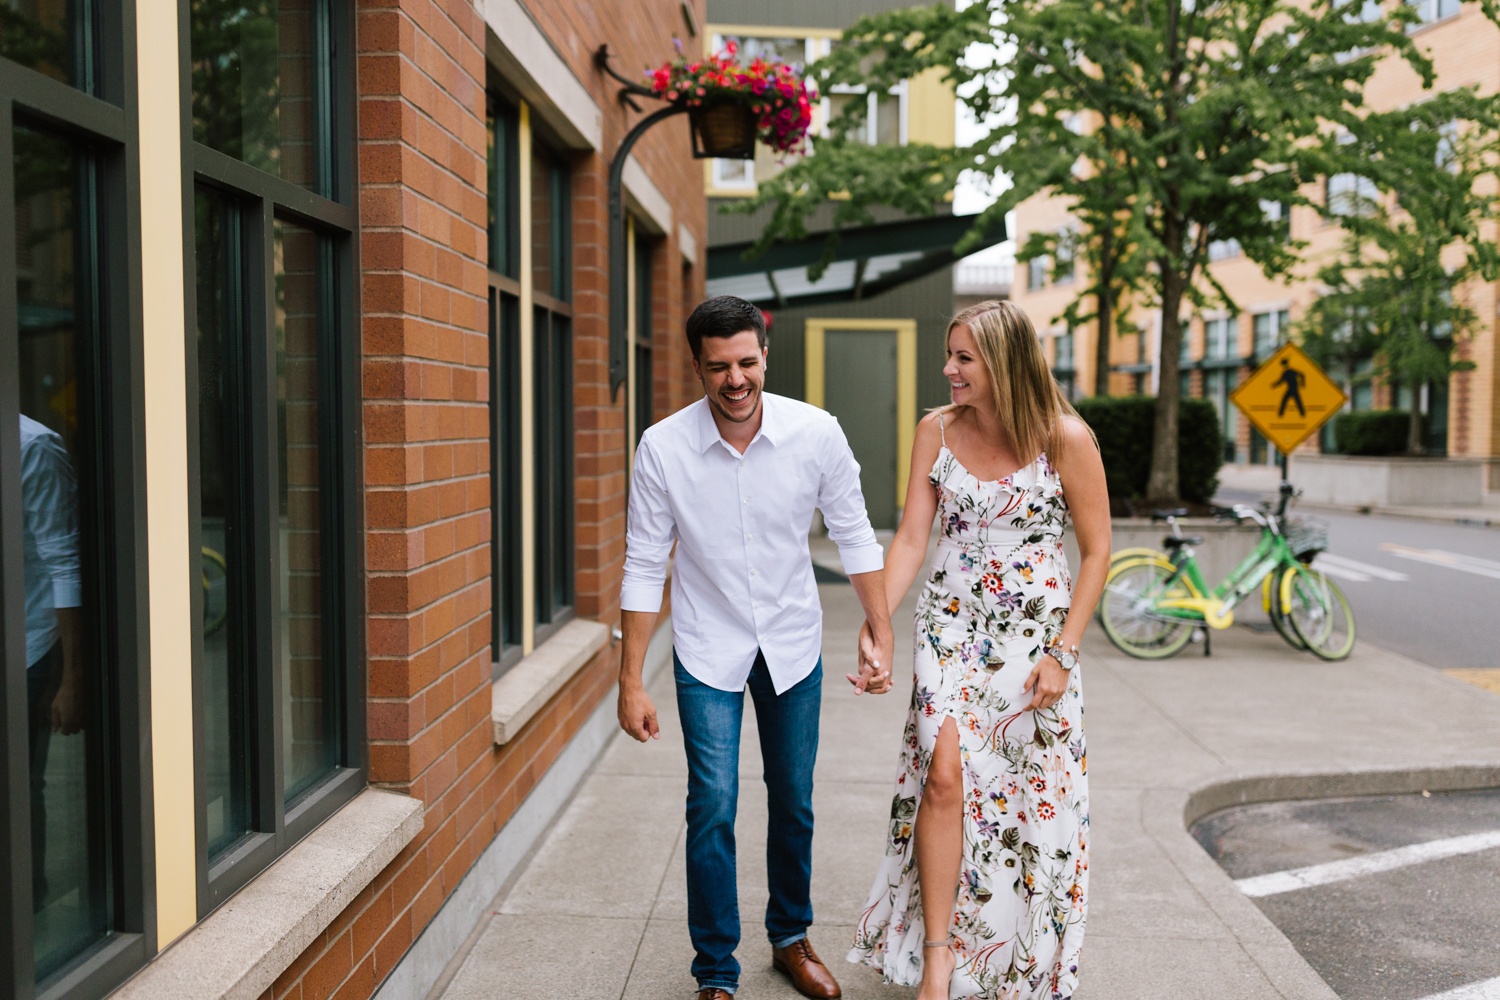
726 131
731 106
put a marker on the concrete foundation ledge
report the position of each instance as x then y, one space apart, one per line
530 684
1291 786
237 952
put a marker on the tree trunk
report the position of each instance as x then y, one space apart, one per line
1162 486
1102 342
1414 443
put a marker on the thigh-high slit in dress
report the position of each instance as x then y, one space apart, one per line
997 595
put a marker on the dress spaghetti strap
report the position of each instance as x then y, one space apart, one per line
941 433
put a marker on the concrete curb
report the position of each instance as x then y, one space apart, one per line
1475 520
1170 812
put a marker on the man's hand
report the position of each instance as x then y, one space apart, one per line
67 707
874 662
1050 681
637 713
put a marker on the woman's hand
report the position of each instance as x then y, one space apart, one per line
874 676
1049 680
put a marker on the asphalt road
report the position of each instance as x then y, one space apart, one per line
1424 589
1417 931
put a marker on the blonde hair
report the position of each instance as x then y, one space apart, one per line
1025 395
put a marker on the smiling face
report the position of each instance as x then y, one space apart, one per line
967 375
733 373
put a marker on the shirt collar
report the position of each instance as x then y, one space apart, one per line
708 431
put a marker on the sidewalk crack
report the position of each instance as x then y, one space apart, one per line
655 900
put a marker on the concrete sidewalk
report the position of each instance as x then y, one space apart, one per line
600 911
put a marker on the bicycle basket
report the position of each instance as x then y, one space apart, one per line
1305 536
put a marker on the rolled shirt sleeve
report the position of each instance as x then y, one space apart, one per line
649 533
49 498
843 506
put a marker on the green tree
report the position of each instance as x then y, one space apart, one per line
1211 111
1395 293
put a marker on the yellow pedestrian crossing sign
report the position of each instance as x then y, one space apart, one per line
1288 398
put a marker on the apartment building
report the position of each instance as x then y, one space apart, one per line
311 538
1222 346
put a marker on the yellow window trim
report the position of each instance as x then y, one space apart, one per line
906 380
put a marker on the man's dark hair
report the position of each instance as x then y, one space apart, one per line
724 316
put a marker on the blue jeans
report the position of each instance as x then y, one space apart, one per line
788 725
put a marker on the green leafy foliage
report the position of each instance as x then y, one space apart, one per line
1371 432
1192 116
1125 426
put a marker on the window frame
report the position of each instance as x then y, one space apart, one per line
95 117
266 198
505 428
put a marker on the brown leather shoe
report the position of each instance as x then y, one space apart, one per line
799 963
714 993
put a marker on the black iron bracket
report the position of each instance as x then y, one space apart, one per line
619 305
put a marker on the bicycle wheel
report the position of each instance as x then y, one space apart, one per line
1128 610
1319 612
1277 614
215 592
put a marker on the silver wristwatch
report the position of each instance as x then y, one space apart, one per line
1067 657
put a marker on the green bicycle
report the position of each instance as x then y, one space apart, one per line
1153 602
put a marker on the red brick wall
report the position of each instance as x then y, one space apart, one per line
421 72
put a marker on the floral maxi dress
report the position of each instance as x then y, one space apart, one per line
997 595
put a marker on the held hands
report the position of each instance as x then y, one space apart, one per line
1049 680
637 713
874 662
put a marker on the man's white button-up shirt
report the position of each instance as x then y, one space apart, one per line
743 578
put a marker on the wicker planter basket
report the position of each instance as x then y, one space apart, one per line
723 131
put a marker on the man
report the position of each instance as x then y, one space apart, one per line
54 661
733 479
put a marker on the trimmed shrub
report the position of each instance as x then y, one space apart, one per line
1372 432
1125 426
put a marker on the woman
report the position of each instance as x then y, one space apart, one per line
984 887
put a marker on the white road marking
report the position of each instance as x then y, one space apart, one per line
1325 565
1452 560
1488 989
1327 559
1367 864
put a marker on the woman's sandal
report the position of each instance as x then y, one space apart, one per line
937 944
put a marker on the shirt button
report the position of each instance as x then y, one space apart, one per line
749 537
752 572
756 604
746 500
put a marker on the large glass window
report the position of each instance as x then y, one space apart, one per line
76 855
552 385
506 580
223 516
260 85
270 488
68 683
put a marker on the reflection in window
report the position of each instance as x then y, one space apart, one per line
53 37
308 701
223 502
549 224
552 389
73 839
257 91
644 377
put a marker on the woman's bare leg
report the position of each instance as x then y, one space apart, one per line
938 844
